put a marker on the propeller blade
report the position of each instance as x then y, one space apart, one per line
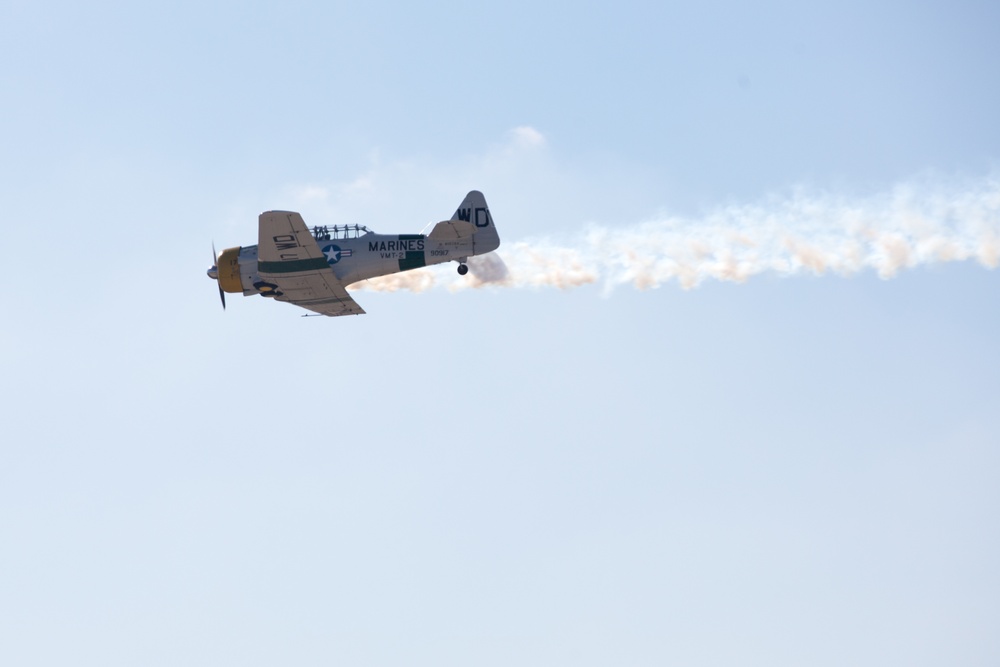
215 263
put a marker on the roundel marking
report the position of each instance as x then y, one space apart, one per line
334 253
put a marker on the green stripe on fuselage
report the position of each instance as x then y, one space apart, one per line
293 266
413 260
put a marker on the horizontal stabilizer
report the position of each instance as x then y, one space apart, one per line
451 230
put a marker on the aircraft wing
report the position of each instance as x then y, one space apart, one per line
292 266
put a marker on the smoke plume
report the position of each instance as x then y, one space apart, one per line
799 234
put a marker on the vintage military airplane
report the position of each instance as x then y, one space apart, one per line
312 267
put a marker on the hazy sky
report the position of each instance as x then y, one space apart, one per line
792 463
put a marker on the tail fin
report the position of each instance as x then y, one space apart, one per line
474 210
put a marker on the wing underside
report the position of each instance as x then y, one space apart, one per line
295 270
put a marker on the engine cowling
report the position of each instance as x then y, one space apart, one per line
228 266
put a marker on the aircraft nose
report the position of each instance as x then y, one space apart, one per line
213 273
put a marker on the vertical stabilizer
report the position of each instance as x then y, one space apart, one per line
474 210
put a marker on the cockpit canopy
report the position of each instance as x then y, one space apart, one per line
328 233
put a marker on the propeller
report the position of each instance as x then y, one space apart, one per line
215 270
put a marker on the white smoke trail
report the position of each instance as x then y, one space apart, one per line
907 227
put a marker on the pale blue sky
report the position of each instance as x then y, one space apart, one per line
795 470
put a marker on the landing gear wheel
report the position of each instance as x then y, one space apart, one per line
462 269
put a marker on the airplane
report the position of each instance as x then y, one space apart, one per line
312 268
